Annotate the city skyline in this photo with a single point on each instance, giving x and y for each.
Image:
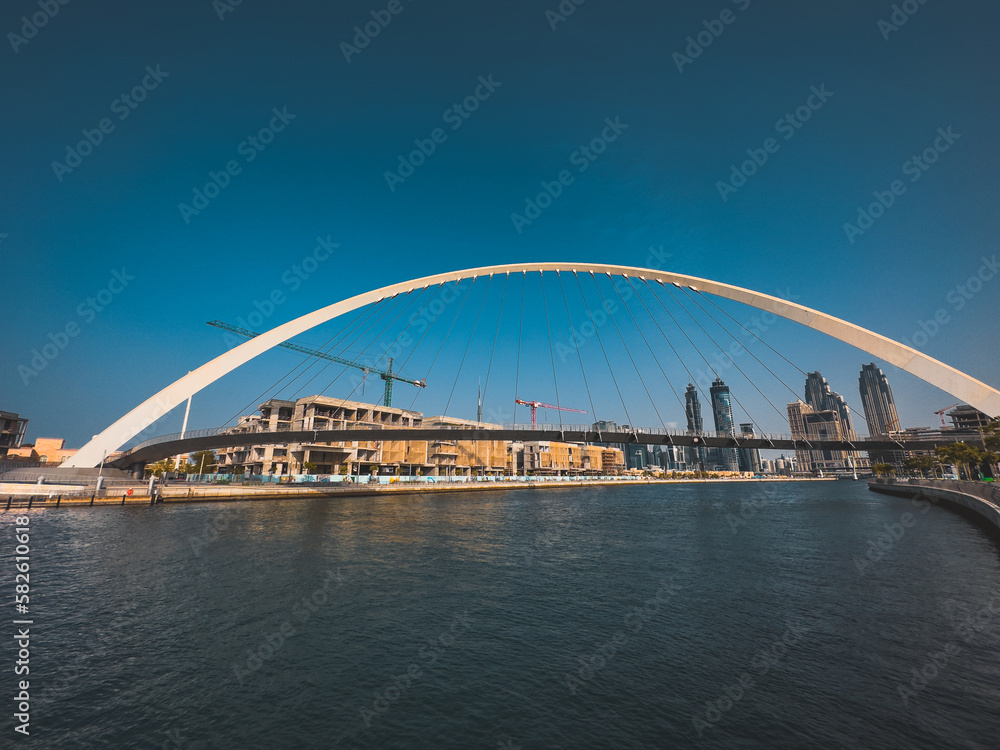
(146, 196)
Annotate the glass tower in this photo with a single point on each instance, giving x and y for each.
(696, 456)
(722, 410)
(877, 401)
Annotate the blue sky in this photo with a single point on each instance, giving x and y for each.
(208, 84)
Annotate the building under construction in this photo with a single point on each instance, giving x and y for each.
(437, 457)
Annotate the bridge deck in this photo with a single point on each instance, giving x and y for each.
(154, 451)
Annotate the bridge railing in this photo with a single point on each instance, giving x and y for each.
(518, 426)
(655, 432)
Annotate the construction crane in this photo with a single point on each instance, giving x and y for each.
(534, 405)
(940, 412)
(387, 375)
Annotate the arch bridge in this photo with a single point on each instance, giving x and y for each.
(962, 386)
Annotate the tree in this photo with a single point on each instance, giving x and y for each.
(991, 436)
(985, 460)
(882, 470)
(961, 455)
(161, 467)
(201, 462)
(310, 467)
(922, 464)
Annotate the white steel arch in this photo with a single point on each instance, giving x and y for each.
(958, 384)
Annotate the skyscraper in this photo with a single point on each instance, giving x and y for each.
(880, 411)
(877, 401)
(749, 457)
(695, 425)
(808, 425)
(821, 398)
(722, 410)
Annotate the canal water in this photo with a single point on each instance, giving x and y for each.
(793, 615)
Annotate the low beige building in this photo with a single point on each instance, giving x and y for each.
(46, 450)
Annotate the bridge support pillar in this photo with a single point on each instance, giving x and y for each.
(137, 470)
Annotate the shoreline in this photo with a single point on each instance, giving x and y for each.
(52, 498)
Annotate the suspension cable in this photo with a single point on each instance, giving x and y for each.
(860, 413)
(472, 335)
(576, 345)
(496, 333)
(429, 325)
(402, 309)
(552, 355)
(731, 359)
(520, 331)
(446, 337)
(648, 345)
(310, 360)
(603, 351)
(691, 378)
(629, 353)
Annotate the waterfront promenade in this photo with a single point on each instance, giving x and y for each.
(51, 495)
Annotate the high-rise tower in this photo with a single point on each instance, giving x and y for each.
(880, 411)
(722, 410)
(821, 398)
(877, 401)
(695, 425)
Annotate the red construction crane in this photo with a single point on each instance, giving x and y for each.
(941, 412)
(534, 405)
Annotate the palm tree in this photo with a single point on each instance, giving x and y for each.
(961, 455)
(161, 467)
(991, 436)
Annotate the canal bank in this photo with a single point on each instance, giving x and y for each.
(979, 501)
(59, 496)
